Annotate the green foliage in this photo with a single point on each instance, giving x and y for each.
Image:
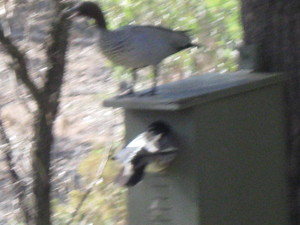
(212, 23)
(105, 204)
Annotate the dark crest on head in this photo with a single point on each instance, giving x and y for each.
(159, 127)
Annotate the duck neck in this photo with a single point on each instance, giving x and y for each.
(100, 21)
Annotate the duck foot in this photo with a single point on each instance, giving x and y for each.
(127, 93)
(150, 93)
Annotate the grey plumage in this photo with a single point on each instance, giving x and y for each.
(140, 46)
(135, 46)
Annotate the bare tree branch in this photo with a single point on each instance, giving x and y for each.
(56, 51)
(47, 98)
(47, 112)
(19, 186)
(20, 65)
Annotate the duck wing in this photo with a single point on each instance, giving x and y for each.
(176, 40)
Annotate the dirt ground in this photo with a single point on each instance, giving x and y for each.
(83, 123)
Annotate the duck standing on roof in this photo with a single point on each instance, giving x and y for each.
(133, 46)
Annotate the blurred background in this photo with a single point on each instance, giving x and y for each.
(84, 129)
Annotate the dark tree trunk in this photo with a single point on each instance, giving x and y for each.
(45, 117)
(41, 168)
(274, 26)
(47, 99)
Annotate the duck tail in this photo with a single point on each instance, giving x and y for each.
(129, 180)
(189, 45)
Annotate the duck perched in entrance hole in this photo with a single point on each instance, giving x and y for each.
(153, 150)
(135, 47)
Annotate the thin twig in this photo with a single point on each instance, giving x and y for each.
(17, 83)
(92, 185)
(20, 65)
(19, 186)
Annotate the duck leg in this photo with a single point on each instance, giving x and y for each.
(133, 81)
(154, 83)
(129, 91)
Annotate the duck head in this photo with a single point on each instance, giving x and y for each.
(90, 10)
(159, 127)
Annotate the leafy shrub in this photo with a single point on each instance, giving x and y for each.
(104, 205)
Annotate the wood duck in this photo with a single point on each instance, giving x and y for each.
(156, 146)
(135, 46)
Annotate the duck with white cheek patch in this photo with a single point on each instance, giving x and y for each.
(156, 146)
